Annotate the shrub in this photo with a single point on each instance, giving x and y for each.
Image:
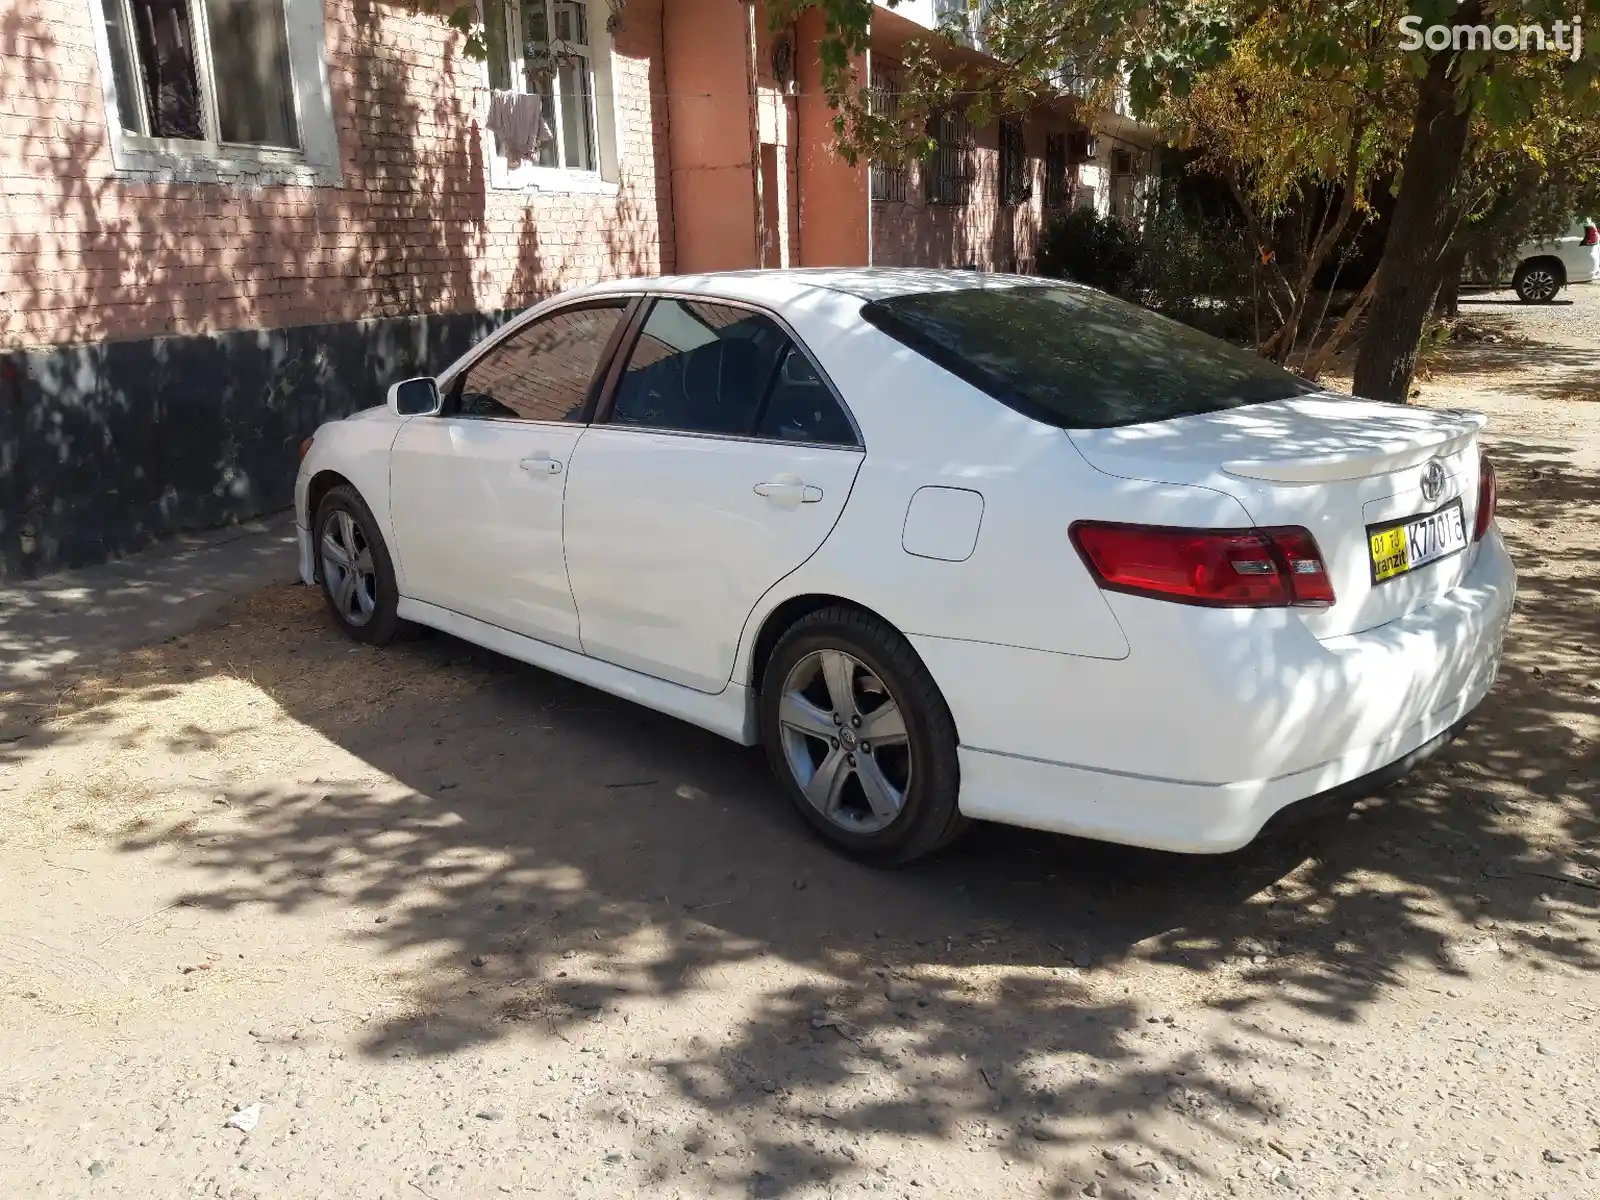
(1182, 265)
(1195, 270)
(1081, 245)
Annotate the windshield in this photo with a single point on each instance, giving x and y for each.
(1079, 359)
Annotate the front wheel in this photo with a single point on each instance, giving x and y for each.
(357, 573)
(861, 739)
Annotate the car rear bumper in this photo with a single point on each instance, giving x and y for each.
(1197, 748)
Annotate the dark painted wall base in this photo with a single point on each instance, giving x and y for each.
(104, 448)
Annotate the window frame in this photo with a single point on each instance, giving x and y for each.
(604, 176)
(606, 398)
(315, 163)
(946, 172)
(1057, 193)
(1015, 180)
(886, 181)
(453, 380)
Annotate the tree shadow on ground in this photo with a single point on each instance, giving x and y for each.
(549, 857)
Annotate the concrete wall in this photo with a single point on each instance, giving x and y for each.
(834, 207)
(712, 150)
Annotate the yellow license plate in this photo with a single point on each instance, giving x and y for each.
(1397, 549)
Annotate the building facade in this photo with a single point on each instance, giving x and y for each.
(225, 221)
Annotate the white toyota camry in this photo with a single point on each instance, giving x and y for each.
(949, 545)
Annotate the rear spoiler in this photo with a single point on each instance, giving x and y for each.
(1449, 438)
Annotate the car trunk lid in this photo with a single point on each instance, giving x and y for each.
(1334, 465)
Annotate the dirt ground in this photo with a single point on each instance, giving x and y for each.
(444, 926)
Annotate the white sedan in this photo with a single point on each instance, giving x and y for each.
(950, 545)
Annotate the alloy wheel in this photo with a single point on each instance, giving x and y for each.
(845, 741)
(348, 568)
(1539, 285)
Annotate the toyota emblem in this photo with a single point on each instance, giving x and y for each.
(1433, 481)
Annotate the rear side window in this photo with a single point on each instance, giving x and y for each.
(714, 368)
(1079, 359)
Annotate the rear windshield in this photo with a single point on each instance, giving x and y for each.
(1080, 359)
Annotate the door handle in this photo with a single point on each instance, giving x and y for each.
(788, 491)
(540, 464)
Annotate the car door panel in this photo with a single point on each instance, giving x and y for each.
(671, 541)
(478, 515)
(476, 493)
(720, 463)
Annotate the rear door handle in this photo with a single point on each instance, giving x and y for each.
(788, 491)
(540, 464)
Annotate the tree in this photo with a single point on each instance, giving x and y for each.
(1298, 152)
(1462, 91)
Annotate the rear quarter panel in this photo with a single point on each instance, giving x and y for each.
(1023, 585)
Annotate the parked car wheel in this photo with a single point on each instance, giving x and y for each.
(356, 571)
(1538, 280)
(860, 737)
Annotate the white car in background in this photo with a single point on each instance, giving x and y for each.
(950, 545)
(1544, 268)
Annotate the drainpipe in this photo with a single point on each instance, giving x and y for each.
(758, 188)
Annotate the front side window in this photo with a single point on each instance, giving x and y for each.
(713, 368)
(544, 371)
(542, 49)
(1077, 358)
(213, 71)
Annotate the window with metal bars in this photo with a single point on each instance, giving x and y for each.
(1055, 171)
(945, 171)
(887, 180)
(1015, 186)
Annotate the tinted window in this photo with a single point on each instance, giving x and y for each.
(800, 408)
(541, 372)
(700, 367)
(1079, 359)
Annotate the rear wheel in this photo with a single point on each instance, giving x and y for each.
(860, 737)
(1538, 280)
(357, 573)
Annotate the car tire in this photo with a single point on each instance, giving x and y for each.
(835, 677)
(1538, 280)
(364, 601)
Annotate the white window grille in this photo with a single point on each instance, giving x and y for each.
(544, 47)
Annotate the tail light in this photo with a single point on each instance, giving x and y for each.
(305, 447)
(1591, 235)
(1218, 568)
(1488, 497)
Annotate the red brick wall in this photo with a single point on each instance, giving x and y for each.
(982, 231)
(86, 254)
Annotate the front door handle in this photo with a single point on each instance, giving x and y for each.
(540, 464)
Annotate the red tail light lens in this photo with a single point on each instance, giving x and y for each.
(1591, 235)
(1219, 568)
(1488, 497)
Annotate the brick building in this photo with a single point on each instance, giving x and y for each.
(225, 221)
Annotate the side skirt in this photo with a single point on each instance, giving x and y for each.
(730, 713)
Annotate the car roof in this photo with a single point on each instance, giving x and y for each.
(786, 286)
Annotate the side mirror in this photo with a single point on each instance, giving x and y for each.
(417, 397)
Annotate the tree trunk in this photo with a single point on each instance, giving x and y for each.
(1447, 305)
(1411, 267)
(1312, 367)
